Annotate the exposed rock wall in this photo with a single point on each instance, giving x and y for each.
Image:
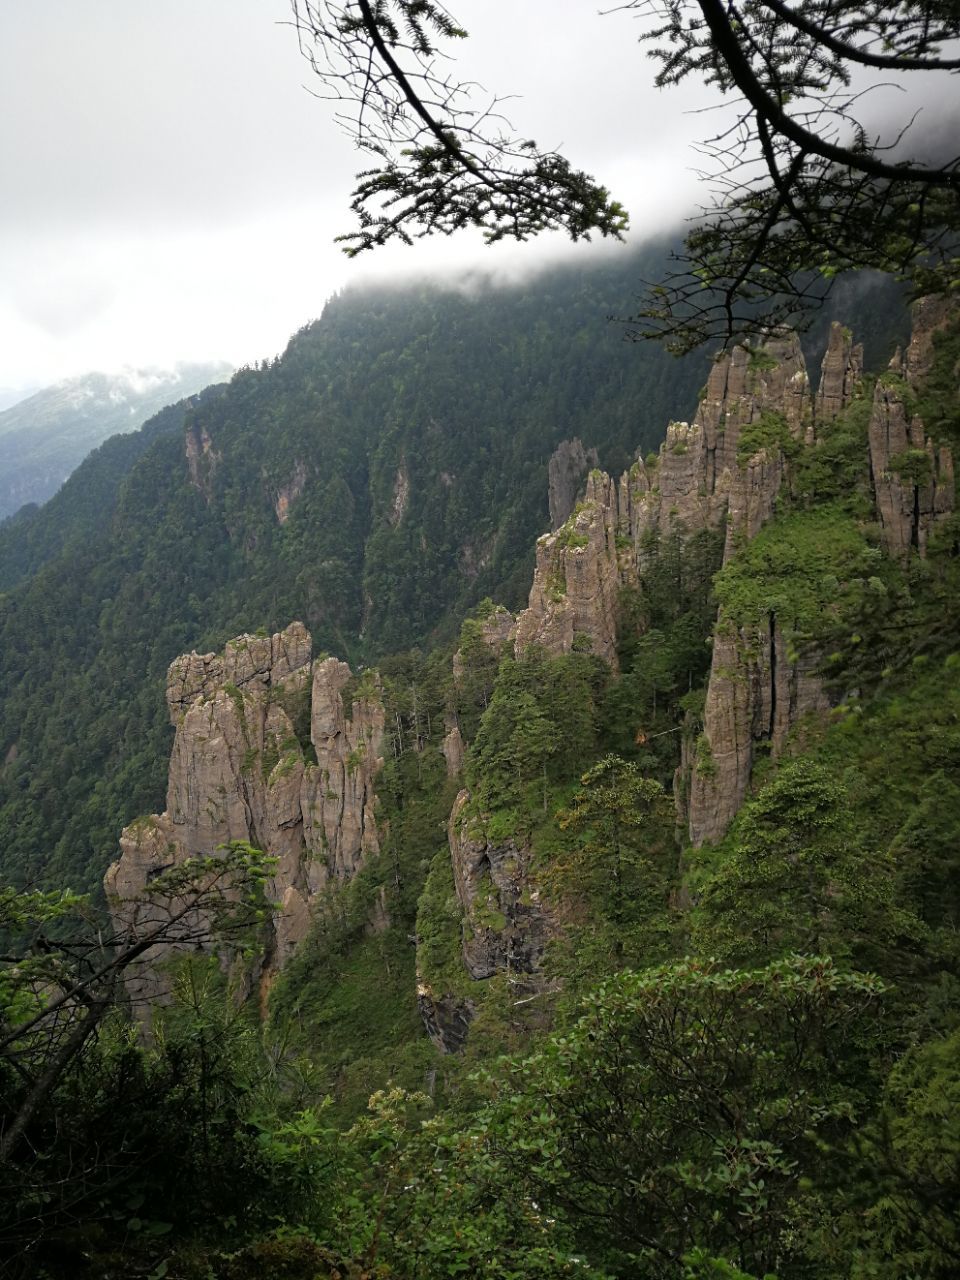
(454, 750)
(728, 467)
(752, 492)
(238, 771)
(505, 926)
(929, 316)
(759, 691)
(574, 600)
(497, 629)
(288, 493)
(841, 374)
(913, 475)
(202, 458)
(566, 472)
(757, 694)
(913, 479)
(446, 1018)
(694, 483)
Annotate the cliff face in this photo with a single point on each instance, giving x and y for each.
(272, 749)
(757, 694)
(574, 601)
(701, 477)
(913, 479)
(759, 689)
(840, 374)
(729, 467)
(504, 924)
(566, 471)
(913, 476)
(239, 771)
(503, 928)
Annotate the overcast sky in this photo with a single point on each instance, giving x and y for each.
(171, 190)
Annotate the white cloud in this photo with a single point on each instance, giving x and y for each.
(172, 192)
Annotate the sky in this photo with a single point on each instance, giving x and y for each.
(172, 188)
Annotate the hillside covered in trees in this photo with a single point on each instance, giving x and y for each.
(386, 473)
(599, 937)
(479, 798)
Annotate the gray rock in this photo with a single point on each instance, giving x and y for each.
(505, 926)
(758, 693)
(841, 374)
(238, 772)
(566, 472)
(913, 480)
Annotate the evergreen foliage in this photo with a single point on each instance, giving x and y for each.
(737, 1063)
(460, 398)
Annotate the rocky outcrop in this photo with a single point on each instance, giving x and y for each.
(496, 630)
(702, 470)
(929, 316)
(744, 385)
(706, 471)
(727, 468)
(669, 492)
(913, 473)
(337, 798)
(752, 493)
(758, 692)
(566, 472)
(401, 494)
(288, 493)
(454, 751)
(202, 458)
(243, 769)
(505, 926)
(841, 374)
(913, 479)
(446, 1018)
(574, 600)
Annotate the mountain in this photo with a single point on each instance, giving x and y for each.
(380, 478)
(609, 929)
(43, 438)
(389, 470)
(762, 504)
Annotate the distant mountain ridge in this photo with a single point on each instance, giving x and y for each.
(46, 436)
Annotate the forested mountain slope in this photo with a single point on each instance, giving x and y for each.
(389, 470)
(84, 505)
(763, 503)
(614, 937)
(43, 438)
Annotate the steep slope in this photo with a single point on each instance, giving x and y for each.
(45, 437)
(83, 507)
(266, 752)
(388, 471)
(385, 474)
(735, 588)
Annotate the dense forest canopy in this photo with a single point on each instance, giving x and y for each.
(610, 937)
(731, 1058)
(458, 399)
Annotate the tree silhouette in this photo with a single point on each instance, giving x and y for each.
(801, 188)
